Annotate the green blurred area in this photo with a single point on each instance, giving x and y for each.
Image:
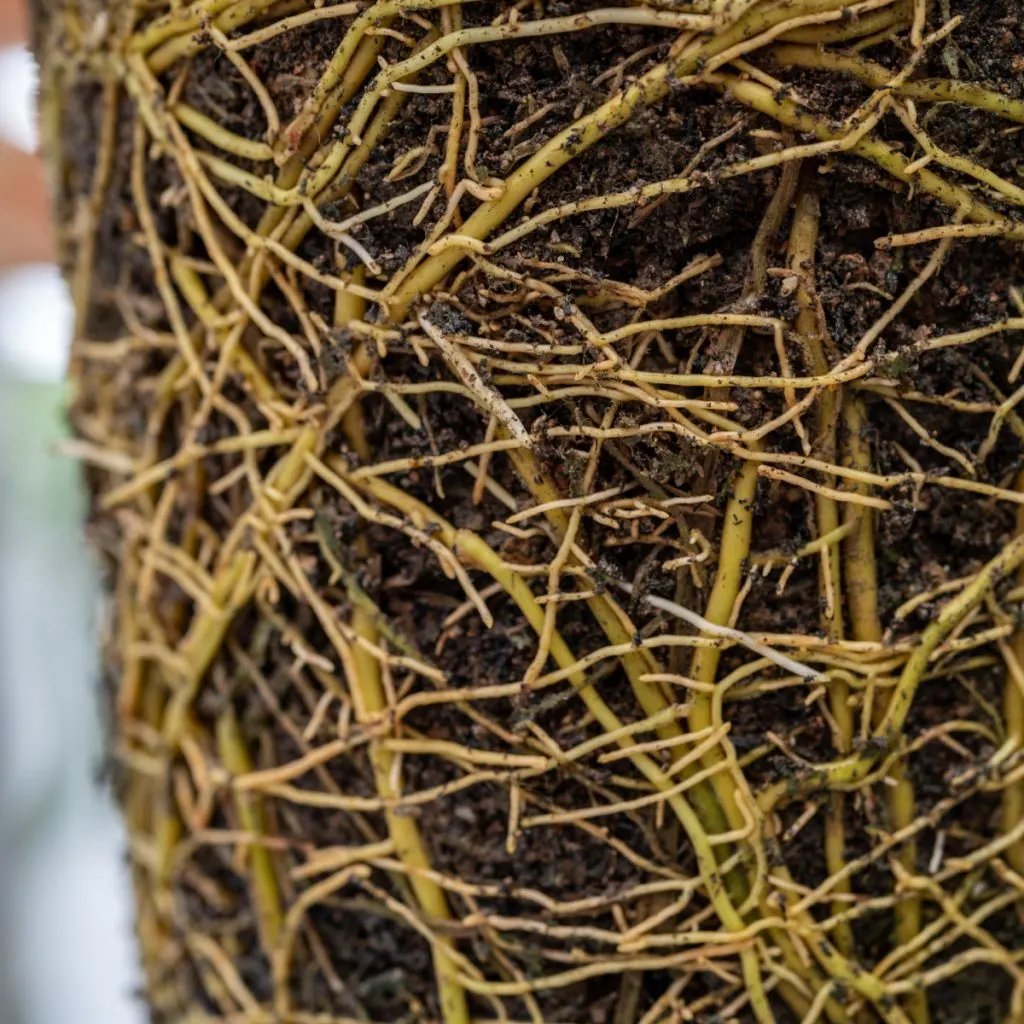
(36, 483)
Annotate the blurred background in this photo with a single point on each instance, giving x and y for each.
(66, 947)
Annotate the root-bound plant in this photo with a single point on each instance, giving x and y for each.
(558, 468)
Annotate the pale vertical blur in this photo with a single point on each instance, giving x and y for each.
(66, 951)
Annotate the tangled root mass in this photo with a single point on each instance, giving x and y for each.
(558, 469)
